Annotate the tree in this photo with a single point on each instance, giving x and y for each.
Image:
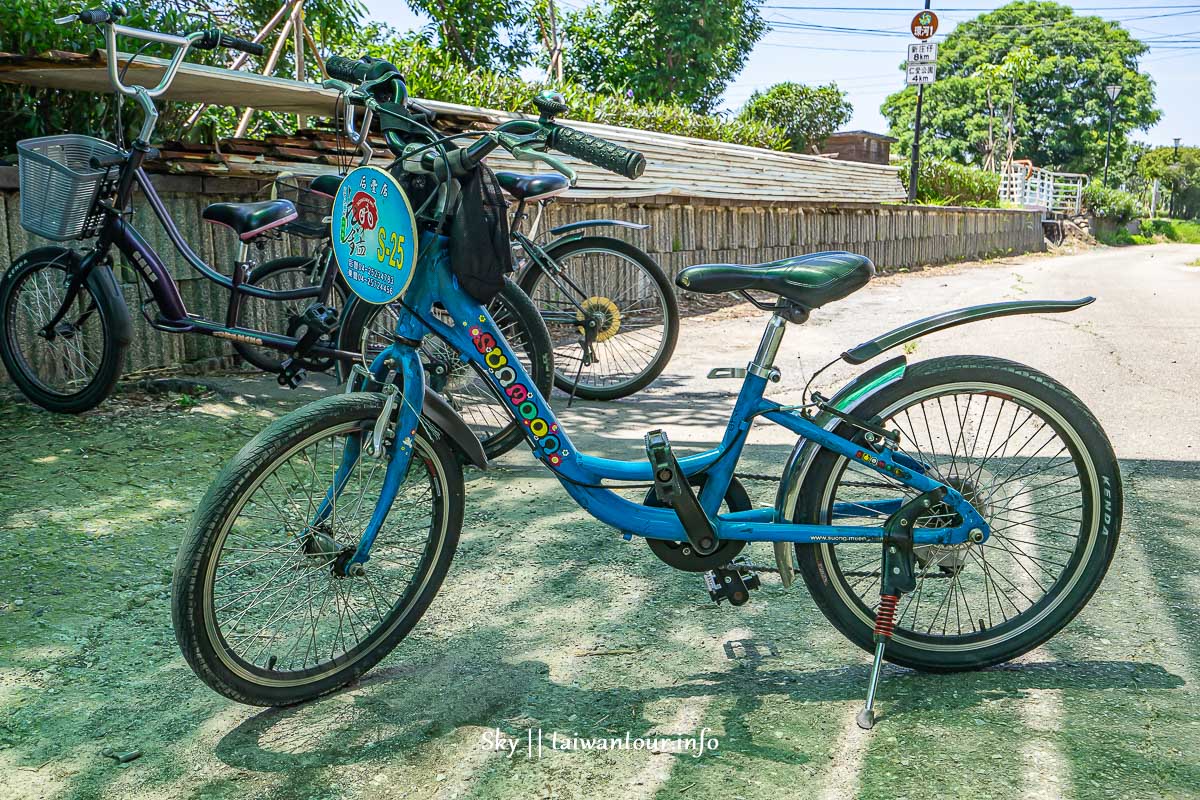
(495, 34)
(661, 50)
(1053, 67)
(807, 113)
(1177, 171)
(28, 27)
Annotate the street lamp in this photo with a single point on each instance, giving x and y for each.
(1112, 90)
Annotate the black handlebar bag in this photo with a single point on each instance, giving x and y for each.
(480, 251)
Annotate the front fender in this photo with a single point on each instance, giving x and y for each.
(100, 280)
(439, 412)
(795, 471)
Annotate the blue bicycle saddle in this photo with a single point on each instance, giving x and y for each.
(809, 281)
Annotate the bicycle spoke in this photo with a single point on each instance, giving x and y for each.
(1008, 460)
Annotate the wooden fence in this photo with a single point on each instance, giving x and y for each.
(684, 230)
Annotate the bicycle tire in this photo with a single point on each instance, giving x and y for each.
(1083, 567)
(262, 678)
(18, 329)
(565, 357)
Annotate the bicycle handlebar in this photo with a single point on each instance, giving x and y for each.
(594, 150)
(215, 37)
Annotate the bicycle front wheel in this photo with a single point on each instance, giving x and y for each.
(631, 302)
(259, 608)
(76, 367)
(1027, 454)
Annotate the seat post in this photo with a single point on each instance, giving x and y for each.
(764, 359)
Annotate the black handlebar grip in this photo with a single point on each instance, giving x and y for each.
(601, 152)
(246, 46)
(95, 16)
(215, 37)
(345, 69)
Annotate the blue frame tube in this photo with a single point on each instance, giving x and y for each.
(472, 332)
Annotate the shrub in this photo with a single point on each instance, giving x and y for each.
(1173, 230)
(1111, 205)
(434, 75)
(942, 182)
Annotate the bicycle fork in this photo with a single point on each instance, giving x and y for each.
(383, 440)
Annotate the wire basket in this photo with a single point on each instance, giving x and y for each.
(312, 208)
(59, 186)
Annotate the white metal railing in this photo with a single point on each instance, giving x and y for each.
(1033, 187)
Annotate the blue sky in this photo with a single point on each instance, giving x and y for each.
(865, 65)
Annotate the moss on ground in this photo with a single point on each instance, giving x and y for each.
(548, 620)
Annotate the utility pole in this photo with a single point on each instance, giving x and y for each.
(1112, 90)
(915, 159)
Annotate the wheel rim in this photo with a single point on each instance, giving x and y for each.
(274, 609)
(464, 389)
(70, 362)
(631, 312)
(1036, 487)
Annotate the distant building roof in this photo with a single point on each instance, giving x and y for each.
(881, 136)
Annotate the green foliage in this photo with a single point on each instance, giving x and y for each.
(28, 27)
(495, 34)
(1112, 205)
(1179, 171)
(435, 75)
(663, 51)
(944, 183)
(1173, 230)
(807, 113)
(1045, 68)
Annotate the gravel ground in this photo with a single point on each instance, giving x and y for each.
(549, 621)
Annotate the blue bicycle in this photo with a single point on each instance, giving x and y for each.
(945, 515)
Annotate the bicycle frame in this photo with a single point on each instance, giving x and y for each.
(475, 336)
(117, 232)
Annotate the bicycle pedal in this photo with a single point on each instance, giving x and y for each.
(674, 490)
(726, 372)
(292, 374)
(733, 585)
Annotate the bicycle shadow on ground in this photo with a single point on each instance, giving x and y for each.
(395, 711)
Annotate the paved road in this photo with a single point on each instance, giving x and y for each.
(548, 621)
(1131, 356)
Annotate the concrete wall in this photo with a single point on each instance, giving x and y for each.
(682, 232)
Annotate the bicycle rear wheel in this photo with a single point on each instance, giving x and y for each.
(632, 302)
(1036, 465)
(290, 272)
(259, 611)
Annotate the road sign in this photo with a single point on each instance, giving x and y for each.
(922, 53)
(924, 24)
(920, 74)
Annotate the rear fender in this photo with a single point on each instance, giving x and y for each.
(572, 227)
(960, 316)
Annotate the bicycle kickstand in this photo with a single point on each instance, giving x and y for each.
(897, 577)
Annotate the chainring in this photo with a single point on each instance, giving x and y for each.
(680, 555)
